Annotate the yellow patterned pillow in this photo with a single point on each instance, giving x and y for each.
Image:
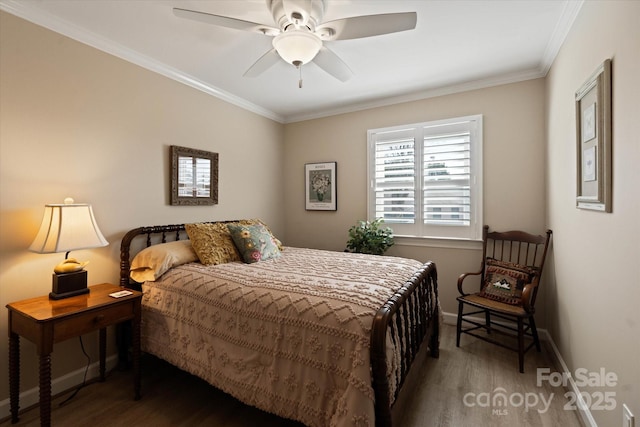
(213, 243)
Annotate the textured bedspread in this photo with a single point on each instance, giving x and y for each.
(289, 336)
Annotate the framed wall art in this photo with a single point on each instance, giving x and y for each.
(320, 184)
(593, 141)
(194, 177)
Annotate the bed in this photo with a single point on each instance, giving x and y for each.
(324, 338)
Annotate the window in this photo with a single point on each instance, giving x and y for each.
(425, 179)
(188, 168)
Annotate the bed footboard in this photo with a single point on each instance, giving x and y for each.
(416, 303)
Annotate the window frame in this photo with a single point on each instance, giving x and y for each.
(419, 230)
(202, 175)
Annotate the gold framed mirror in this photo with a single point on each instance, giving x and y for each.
(194, 176)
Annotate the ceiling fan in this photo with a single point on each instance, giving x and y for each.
(300, 33)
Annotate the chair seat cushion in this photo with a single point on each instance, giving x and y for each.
(504, 281)
(481, 302)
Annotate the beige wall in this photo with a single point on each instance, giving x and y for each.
(594, 292)
(514, 163)
(77, 122)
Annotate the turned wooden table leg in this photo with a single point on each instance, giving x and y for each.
(136, 356)
(45, 321)
(103, 352)
(14, 375)
(45, 390)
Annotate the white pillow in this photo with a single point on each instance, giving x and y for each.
(152, 262)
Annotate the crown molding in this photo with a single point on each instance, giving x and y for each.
(35, 15)
(24, 10)
(420, 95)
(560, 32)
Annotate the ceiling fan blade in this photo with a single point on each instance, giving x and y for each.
(366, 26)
(224, 21)
(332, 64)
(265, 62)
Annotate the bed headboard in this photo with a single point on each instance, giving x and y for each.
(155, 234)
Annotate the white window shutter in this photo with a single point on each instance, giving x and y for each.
(426, 179)
(447, 177)
(395, 178)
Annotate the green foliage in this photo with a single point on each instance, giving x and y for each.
(368, 237)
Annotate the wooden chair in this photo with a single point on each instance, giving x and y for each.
(512, 264)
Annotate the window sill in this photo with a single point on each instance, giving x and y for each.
(437, 242)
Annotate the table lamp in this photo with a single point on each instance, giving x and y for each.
(65, 228)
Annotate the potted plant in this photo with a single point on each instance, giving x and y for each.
(368, 237)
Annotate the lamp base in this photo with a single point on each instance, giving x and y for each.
(53, 295)
(67, 285)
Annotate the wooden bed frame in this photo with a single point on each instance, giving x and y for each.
(411, 304)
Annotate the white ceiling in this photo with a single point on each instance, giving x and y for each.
(456, 45)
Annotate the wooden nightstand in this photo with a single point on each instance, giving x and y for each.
(45, 321)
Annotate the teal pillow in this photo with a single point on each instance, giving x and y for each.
(254, 242)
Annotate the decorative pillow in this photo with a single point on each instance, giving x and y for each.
(254, 242)
(504, 281)
(152, 262)
(213, 243)
(277, 242)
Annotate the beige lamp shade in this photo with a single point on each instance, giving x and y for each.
(67, 227)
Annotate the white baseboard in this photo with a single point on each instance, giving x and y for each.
(69, 381)
(582, 407)
(449, 318)
(543, 334)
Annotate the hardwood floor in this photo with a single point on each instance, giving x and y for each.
(455, 390)
(459, 388)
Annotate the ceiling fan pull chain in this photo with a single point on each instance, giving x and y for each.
(300, 81)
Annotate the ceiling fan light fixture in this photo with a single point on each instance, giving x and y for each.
(297, 47)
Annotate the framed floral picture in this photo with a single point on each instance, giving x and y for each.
(320, 184)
